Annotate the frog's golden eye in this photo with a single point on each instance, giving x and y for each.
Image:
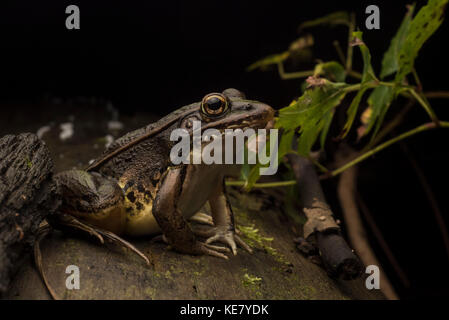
(214, 104)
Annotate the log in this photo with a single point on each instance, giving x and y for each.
(27, 196)
(274, 271)
(321, 228)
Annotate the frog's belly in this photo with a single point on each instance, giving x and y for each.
(138, 206)
(142, 222)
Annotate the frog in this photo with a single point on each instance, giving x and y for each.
(134, 190)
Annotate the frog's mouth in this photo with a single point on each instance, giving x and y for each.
(253, 115)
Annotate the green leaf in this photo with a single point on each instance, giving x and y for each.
(367, 76)
(269, 60)
(390, 61)
(335, 18)
(423, 25)
(309, 113)
(368, 72)
(285, 145)
(331, 70)
(327, 121)
(253, 176)
(379, 102)
(352, 111)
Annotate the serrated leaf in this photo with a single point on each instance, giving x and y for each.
(309, 111)
(331, 70)
(423, 25)
(390, 61)
(352, 111)
(269, 60)
(335, 18)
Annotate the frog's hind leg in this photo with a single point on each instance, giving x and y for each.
(94, 204)
(41, 234)
(67, 221)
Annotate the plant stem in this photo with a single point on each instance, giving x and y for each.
(425, 105)
(354, 74)
(384, 145)
(292, 75)
(319, 165)
(339, 51)
(350, 48)
(263, 185)
(437, 94)
(390, 126)
(418, 82)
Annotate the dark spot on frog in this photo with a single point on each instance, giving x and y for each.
(129, 209)
(140, 188)
(131, 197)
(139, 206)
(128, 185)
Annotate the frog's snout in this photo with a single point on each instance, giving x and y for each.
(267, 113)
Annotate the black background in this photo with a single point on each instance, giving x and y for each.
(157, 56)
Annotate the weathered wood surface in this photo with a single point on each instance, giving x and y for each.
(27, 196)
(274, 271)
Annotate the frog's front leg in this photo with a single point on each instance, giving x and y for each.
(224, 230)
(172, 222)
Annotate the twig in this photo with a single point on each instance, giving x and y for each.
(422, 101)
(350, 48)
(321, 227)
(340, 54)
(436, 94)
(381, 240)
(418, 82)
(292, 75)
(430, 196)
(346, 194)
(263, 185)
(421, 128)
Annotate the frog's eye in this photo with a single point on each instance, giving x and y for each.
(214, 104)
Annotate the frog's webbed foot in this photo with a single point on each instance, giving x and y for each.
(211, 250)
(65, 220)
(201, 247)
(223, 235)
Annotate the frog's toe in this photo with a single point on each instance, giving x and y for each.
(225, 238)
(242, 243)
(215, 251)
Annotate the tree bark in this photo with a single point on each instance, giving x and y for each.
(27, 196)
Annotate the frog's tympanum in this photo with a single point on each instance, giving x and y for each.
(133, 189)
